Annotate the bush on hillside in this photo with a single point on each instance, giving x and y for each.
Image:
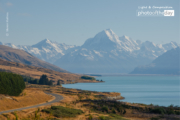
(11, 84)
(44, 80)
(59, 82)
(88, 78)
(30, 80)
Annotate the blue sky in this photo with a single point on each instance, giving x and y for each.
(74, 21)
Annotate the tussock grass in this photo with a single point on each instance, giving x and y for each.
(60, 111)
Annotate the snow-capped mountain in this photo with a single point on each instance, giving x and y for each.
(108, 40)
(45, 50)
(108, 53)
(104, 53)
(150, 50)
(170, 45)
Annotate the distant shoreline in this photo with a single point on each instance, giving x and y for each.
(136, 75)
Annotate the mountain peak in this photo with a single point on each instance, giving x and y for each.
(109, 32)
(109, 29)
(174, 43)
(46, 40)
(111, 35)
(103, 40)
(125, 37)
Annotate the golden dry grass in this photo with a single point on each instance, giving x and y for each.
(27, 98)
(66, 102)
(70, 96)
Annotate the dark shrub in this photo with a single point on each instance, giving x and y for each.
(113, 111)
(44, 80)
(177, 112)
(50, 82)
(119, 109)
(87, 77)
(105, 109)
(170, 111)
(124, 111)
(59, 82)
(158, 110)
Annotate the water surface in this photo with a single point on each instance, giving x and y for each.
(158, 90)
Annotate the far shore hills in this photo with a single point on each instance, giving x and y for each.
(118, 74)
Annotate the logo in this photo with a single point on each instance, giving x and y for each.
(168, 12)
(156, 11)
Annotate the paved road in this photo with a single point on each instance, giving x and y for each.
(57, 99)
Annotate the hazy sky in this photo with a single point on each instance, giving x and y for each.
(74, 21)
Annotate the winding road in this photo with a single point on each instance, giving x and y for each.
(57, 99)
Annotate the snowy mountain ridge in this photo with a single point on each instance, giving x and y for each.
(45, 50)
(104, 51)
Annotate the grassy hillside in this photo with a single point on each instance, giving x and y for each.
(20, 56)
(36, 72)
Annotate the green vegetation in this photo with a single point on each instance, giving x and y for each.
(165, 110)
(59, 82)
(15, 114)
(120, 108)
(110, 107)
(158, 110)
(87, 77)
(59, 111)
(42, 81)
(30, 80)
(11, 84)
(105, 109)
(90, 117)
(102, 117)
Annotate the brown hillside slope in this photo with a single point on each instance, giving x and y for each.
(20, 56)
(36, 72)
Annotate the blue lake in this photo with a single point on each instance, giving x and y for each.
(158, 90)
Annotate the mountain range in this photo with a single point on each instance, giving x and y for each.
(167, 63)
(104, 53)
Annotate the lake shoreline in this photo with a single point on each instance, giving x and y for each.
(137, 90)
